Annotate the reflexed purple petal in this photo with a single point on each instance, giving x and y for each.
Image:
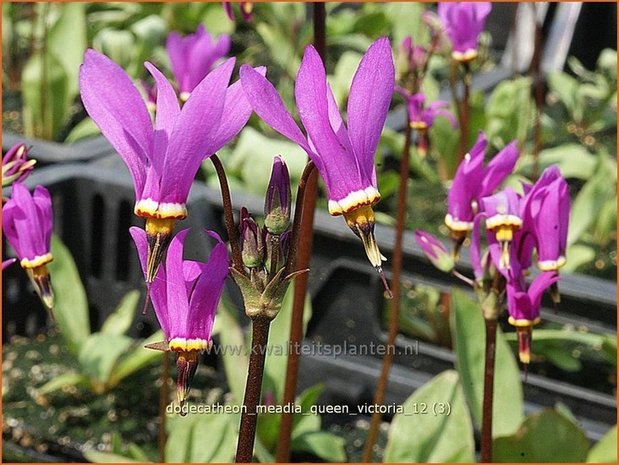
(237, 111)
(178, 54)
(368, 102)
(108, 93)
(8, 226)
(207, 292)
(194, 135)
(43, 202)
(267, 103)
(335, 120)
(29, 232)
(177, 294)
(539, 285)
(341, 168)
(550, 221)
(167, 112)
(519, 303)
(7, 263)
(499, 168)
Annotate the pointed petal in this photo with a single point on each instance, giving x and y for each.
(116, 106)
(237, 111)
(193, 136)
(267, 104)
(207, 293)
(539, 285)
(368, 103)
(177, 295)
(499, 168)
(43, 202)
(341, 171)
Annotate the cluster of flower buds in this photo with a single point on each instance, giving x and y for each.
(517, 225)
(265, 249)
(27, 222)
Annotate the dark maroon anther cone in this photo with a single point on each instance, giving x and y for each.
(186, 365)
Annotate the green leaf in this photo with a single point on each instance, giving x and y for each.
(547, 436)
(565, 87)
(280, 48)
(468, 334)
(509, 112)
(406, 20)
(66, 379)
(120, 321)
(100, 353)
(233, 353)
(85, 129)
(605, 451)
(66, 41)
(578, 255)
(96, 456)
(573, 160)
(179, 443)
(117, 45)
(421, 433)
(136, 453)
(254, 165)
(221, 438)
(45, 93)
(70, 304)
(135, 359)
(327, 446)
(596, 191)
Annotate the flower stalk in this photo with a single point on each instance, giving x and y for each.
(253, 388)
(394, 309)
(486, 421)
(299, 257)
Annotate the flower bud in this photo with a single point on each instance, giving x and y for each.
(15, 165)
(435, 251)
(252, 242)
(277, 202)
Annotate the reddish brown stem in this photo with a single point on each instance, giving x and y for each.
(394, 311)
(253, 388)
(486, 421)
(164, 394)
(303, 253)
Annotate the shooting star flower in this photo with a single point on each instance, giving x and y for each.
(463, 22)
(185, 296)
(344, 156)
(163, 160)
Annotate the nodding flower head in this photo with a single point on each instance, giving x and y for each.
(163, 160)
(185, 296)
(547, 208)
(524, 305)
(15, 165)
(252, 241)
(463, 22)
(27, 224)
(344, 156)
(503, 217)
(435, 251)
(194, 56)
(473, 181)
(421, 117)
(247, 9)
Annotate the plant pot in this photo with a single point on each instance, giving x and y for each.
(48, 152)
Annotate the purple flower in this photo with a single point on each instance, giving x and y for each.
(344, 156)
(15, 165)
(277, 201)
(473, 181)
(246, 10)
(503, 217)
(435, 251)
(421, 117)
(194, 56)
(163, 160)
(27, 224)
(547, 209)
(411, 59)
(185, 296)
(524, 305)
(463, 22)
